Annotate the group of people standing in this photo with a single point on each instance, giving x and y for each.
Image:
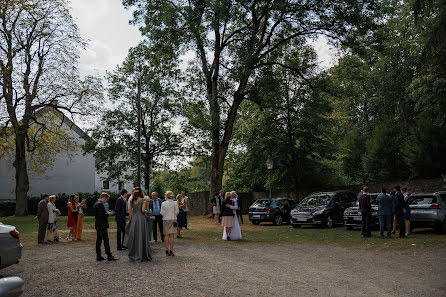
(48, 215)
(226, 210)
(394, 207)
(146, 216)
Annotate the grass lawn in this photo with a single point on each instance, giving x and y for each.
(204, 229)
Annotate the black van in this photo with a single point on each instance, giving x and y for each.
(323, 208)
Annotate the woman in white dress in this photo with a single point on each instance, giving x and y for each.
(236, 233)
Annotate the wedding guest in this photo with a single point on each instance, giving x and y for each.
(169, 211)
(72, 216)
(51, 218)
(221, 200)
(365, 207)
(235, 233)
(81, 206)
(149, 218)
(155, 207)
(239, 204)
(392, 196)
(181, 217)
(137, 234)
(120, 210)
(397, 209)
(406, 211)
(101, 226)
(216, 208)
(227, 215)
(42, 217)
(185, 207)
(384, 213)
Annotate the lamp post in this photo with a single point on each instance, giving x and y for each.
(138, 106)
(269, 166)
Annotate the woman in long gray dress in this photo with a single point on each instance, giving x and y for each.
(137, 233)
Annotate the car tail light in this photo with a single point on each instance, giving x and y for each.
(15, 234)
(436, 206)
(251, 209)
(268, 209)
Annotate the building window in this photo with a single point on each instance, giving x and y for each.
(105, 184)
(120, 185)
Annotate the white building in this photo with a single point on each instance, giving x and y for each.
(71, 172)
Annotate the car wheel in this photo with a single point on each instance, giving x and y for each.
(256, 222)
(349, 227)
(329, 222)
(278, 220)
(296, 226)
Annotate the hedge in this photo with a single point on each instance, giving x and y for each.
(7, 207)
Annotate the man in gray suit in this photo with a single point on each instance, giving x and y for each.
(42, 217)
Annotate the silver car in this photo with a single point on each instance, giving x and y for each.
(10, 246)
(428, 210)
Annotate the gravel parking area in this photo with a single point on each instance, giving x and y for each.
(233, 269)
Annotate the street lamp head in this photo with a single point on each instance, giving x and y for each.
(269, 164)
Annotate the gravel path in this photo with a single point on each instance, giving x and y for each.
(234, 269)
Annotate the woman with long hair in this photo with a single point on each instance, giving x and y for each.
(169, 211)
(80, 217)
(227, 215)
(72, 216)
(137, 235)
(181, 217)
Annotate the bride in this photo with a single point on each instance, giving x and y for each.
(236, 233)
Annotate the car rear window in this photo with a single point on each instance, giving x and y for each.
(422, 199)
(262, 202)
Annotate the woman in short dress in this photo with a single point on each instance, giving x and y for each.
(227, 215)
(71, 220)
(169, 211)
(216, 208)
(181, 217)
(406, 211)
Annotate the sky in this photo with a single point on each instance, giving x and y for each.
(105, 25)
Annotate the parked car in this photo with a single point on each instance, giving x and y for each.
(353, 217)
(10, 246)
(325, 209)
(11, 286)
(276, 210)
(428, 210)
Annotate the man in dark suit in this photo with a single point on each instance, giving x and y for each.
(239, 203)
(42, 217)
(155, 207)
(221, 200)
(101, 226)
(397, 207)
(120, 209)
(365, 207)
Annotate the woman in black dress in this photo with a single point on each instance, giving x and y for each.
(181, 217)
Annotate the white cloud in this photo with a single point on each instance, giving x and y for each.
(105, 24)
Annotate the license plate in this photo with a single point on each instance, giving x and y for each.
(256, 216)
(357, 219)
(302, 219)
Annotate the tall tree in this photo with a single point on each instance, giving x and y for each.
(114, 139)
(234, 40)
(39, 51)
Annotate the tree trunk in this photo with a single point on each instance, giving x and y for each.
(21, 175)
(147, 175)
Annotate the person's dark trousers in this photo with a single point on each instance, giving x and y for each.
(120, 225)
(240, 215)
(185, 219)
(365, 224)
(385, 220)
(401, 225)
(158, 223)
(102, 235)
(42, 231)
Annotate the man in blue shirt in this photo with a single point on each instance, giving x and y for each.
(398, 206)
(155, 207)
(384, 213)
